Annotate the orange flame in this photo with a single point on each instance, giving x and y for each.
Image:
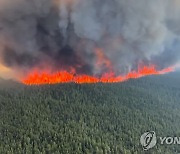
(38, 77)
(102, 59)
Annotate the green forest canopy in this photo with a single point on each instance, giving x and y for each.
(89, 118)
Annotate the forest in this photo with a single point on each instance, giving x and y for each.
(89, 118)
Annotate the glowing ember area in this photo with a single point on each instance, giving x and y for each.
(102, 59)
(37, 78)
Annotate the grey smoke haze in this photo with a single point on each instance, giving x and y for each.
(65, 33)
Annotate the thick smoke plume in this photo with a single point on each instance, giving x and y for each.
(66, 34)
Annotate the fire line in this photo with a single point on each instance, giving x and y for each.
(39, 78)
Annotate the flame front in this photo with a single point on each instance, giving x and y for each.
(43, 77)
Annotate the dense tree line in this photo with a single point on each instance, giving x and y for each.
(89, 118)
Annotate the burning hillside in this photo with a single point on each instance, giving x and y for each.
(43, 77)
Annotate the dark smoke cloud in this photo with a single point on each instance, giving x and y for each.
(65, 33)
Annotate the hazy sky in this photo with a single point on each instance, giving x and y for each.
(5, 72)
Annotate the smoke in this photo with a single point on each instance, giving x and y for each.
(65, 34)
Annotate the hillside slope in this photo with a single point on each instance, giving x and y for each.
(94, 118)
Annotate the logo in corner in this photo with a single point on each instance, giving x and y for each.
(148, 140)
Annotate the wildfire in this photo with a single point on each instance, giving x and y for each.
(44, 77)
